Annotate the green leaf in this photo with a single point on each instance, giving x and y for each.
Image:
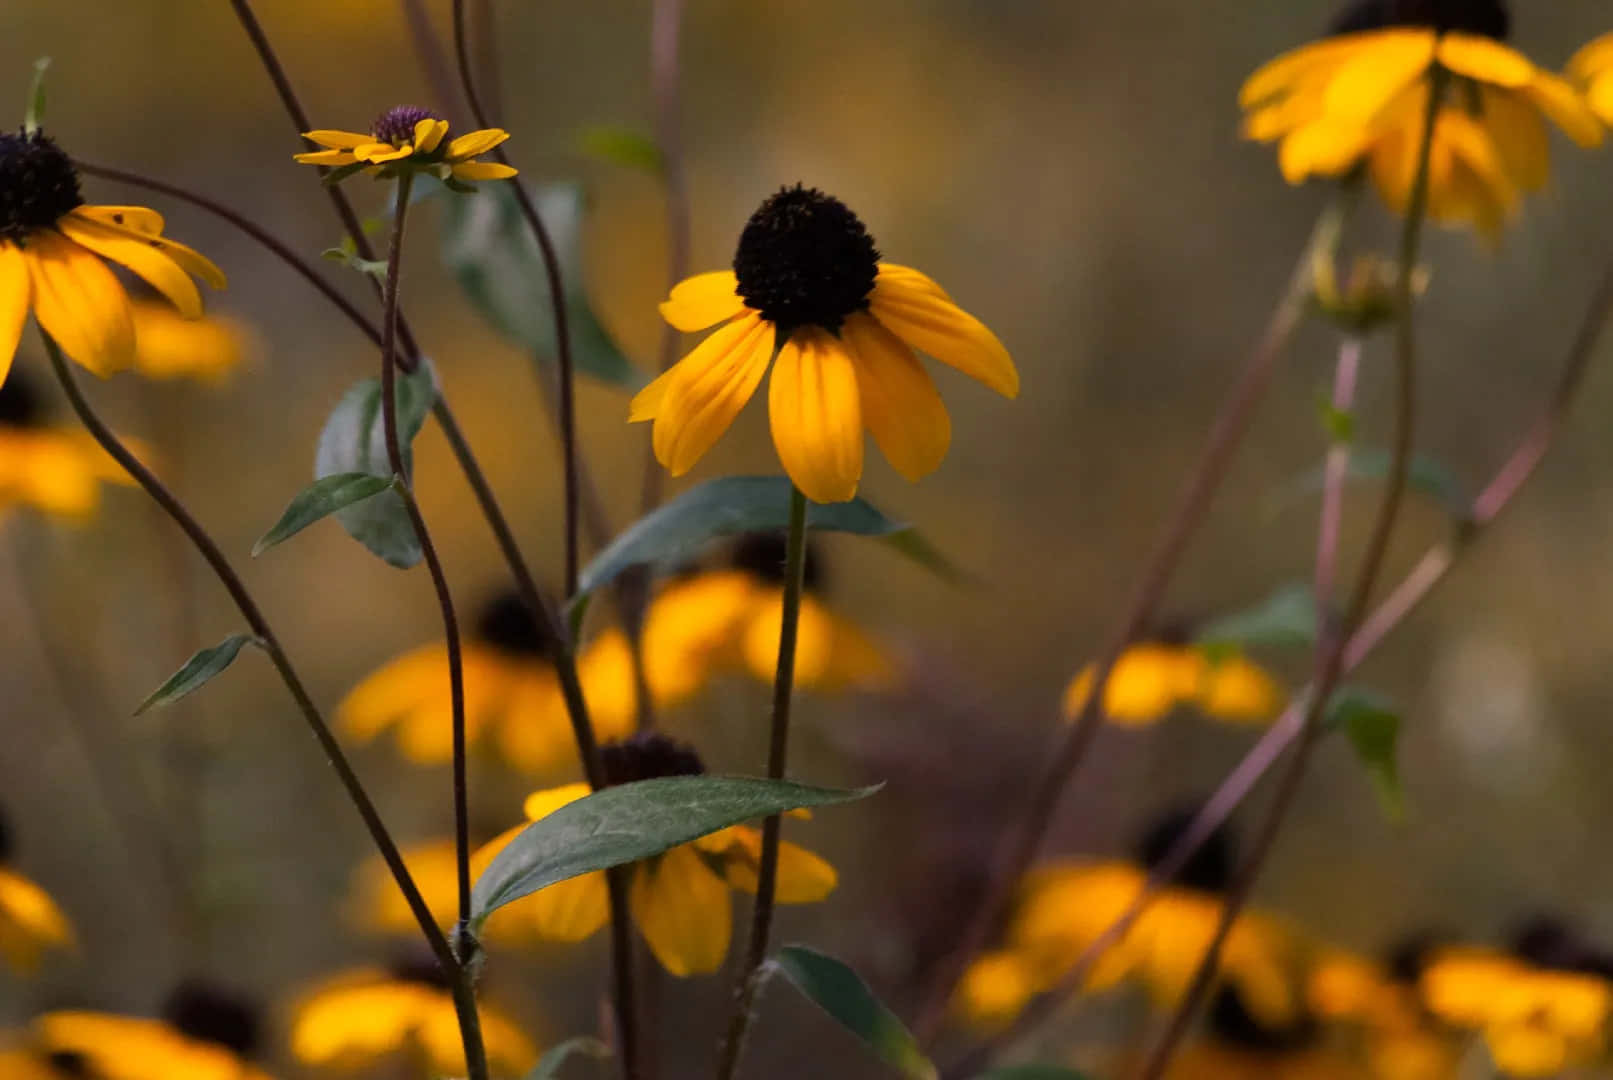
(491, 251)
(616, 145)
(33, 116)
(354, 441)
(1372, 724)
(375, 268)
(1033, 1072)
(634, 821)
(841, 992)
(739, 504)
(319, 500)
(197, 672)
(1424, 475)
(549, 1064)
(1285, 619)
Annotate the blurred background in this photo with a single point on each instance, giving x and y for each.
(1072, 173)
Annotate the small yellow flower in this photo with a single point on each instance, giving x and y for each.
(56, 470)
(361, 1018)
(1398, 1038)
(680, 900)
(51, 249)
(1361, 96)
(408, 137)
(204, 1034)
(1592, 70)
(809, 298)
(1152, 679)
(30, 921)
(169, 346)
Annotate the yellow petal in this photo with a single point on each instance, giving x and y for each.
(1238, 690)
(814, 645)
(534, 734)
(1485, 60)
(540, 804)
(16, 291)
(376, 904)
(509, 1051)
(605, 668)
(1373, 78)
(646, 404)
(1600, 98)
(482, 170)
(55, 472)
(428, 134)
(391, 691)
(192, 262)
(934, 325)
(80, 303)
(711, 385)
(914, 279)
(1592, 59)
(355, 1019)
(147, 262)
(703, 301)
(1520, 137)
(995, 989)
(325, 157)
(1566, 108)
(476, 143)
(338, 140)
(378, 153)
(1322, 148)
(30, 922)
(803, 877)
(140, 219)
(816, 415)
(570, 910)
(170, 347)
(684, 912)
(691, 630)
(900, 404)
(1278, 76)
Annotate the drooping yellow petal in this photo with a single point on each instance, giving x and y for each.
(900, 404)
(1520, 137)
(356, 1019)
(30, 922)
(570, 910)
(814, 644)
(1238, 690)
(1322, 148)
(147, 262)
(691, 631)
(935, 326)
(684, 912)
(534, 734)
(1280, 75)
(129, 222)
(646, 404)
(80, 303)
(914, 279)
(1600, 98)
(995, 989)
(482, 170)
(1485, 60)
(605, 669)
(1566, 108)
(16, 292)
(803, 877)
(475, 143)
(710, 386)
(428, 134)
(51, 470)
(509, 1051)
(376, 904)
(1593, 59)
(379, 153)
(1366, 84)
(816, 415)
(168, 346)
(140, 219)
(540, 804)
(332, 158)
(338, 140)
(703, 301)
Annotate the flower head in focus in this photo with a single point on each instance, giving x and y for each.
(359, 1019)
(1591, 69)
(1359, 97)
(1153, 678)
(30, 921)
(809, 297)
(680, 900)
(205, 1033)
(408, 138)
(52, 247)
(56, 470)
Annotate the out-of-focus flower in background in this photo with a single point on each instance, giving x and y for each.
(30, 921)
(169, 346)
(409, 138)
(204, 1034)
(1378, 1007)
(807, 284)
(1592, 69)
(55, 470)
(1154, 678)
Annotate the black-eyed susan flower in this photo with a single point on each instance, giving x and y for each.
(1065, 906)
(56, 470)
(1592, 70)
(1542, 1007)
(170, 346)
(1151, 679)
(24, 1062)
(512, 694)
(1237, 1045)
(52, 247)
(407, 138)
(809, 296)
(30, 921)
(715, 621)
(680, 900)
(1379, 1006)
(204, 1034)
(361, 1018)
(1360, 96)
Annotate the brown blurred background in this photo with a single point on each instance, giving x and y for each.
(1072, 173)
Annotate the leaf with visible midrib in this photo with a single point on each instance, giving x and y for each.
(319, 500)
(841, 992)
(635, 821)
(198, 671)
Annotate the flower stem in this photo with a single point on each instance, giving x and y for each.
(1199, 491)
(750, 977)
(270, 644)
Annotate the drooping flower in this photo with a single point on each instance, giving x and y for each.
(1592, 70)
(409, 138)
(51, 249)
(680, 900)
(204, 1034)
(1360, 97)
(55, 470)
(30, 921)
(1153, 678)
(361, 1018)
(809, 297)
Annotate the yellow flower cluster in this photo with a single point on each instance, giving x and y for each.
(1151, 679)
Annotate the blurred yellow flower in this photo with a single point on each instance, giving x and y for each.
(28, 1063)
(809, 297)
(1361, 96)
(170, 346)
(30, 921)
(1592, 69)
(205, 1034)
(51, 251)
(679, 900)
(412, 138)
(360, 1018)
(1152, 679)
(1398, 1038)
(56, 470)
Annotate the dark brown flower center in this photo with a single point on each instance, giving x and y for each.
(1210, 868)
(209, 1013)
(19, 403)
(397, 124)
(648, 756)
(1488, 18)
(805, 259)
(420, 967)
(38, 184)
(762, 555)
(509, 626)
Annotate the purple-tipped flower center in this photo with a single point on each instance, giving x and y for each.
(397, 124)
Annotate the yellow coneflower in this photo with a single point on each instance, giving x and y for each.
(205, 1034)
(408, 137)
(51, 249)
(680, 900)
(1361, 96)
(512, 694)
(1067, 905)
(30, 921)
(1592, 69)
(808, 286)
(169, 346)
(1153, 678)
(1398, 1038)
(56, 470)
(361, 1018)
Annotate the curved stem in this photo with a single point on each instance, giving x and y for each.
(270, 644)
(778, 751)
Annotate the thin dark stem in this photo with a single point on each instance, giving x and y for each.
(439, 74)
(1233, 420)
(778, 751)
(557, 300)
(270, 644)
